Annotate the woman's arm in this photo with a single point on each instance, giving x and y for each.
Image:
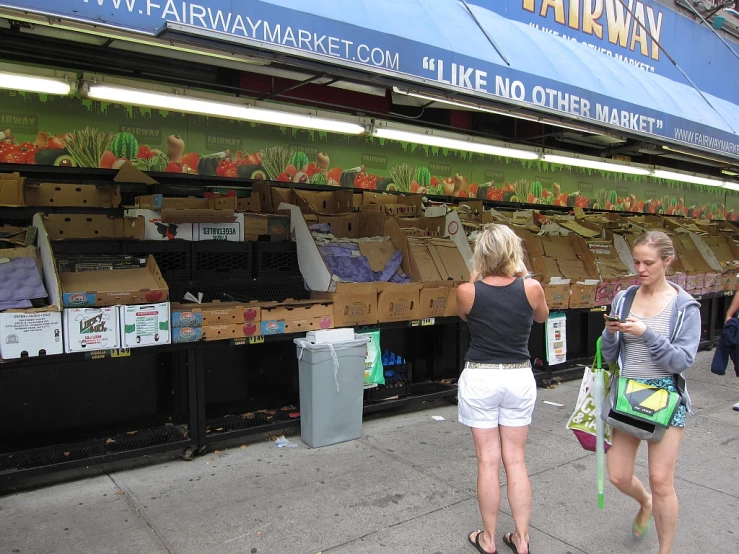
(535, 295)
(465, 299)
(733, 308)
(609, 339)
(678, 355)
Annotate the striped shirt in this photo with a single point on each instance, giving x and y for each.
(637, 363)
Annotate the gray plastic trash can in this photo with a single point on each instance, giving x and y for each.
(331, 391)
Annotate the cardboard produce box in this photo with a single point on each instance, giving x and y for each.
(435, 259)
(394, 204)
(398, 302)
(72, 195)
(11, 189)
(94, 226)
(325, 203)
(186, 334)
(230, 331)
(215, 313)
(34, 331)
(110, 288)
(429, 226)
(274, 228)
(231, 232)
(251, 203)
(156, 229)
(433, 299)
(144, 325)
(354, 304)
(296, 316)
(190, 210)
(87, 329)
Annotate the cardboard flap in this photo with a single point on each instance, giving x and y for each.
(326, 203)
(378, 254)
(130, 174)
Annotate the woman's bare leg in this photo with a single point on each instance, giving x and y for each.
(513, 445)
(621, 457)
(662, 460)
(487, 448)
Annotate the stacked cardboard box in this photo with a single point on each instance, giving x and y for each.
(124, 308)
(34, 331)
(193, 219)
(215, 321)
(11, 189)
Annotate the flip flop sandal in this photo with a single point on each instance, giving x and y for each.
(476, 543)
(508, 540)
(640, 531)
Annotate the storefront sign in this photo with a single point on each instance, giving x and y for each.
(574, 84)
(632, 31)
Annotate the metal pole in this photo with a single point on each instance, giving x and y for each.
(495, 45)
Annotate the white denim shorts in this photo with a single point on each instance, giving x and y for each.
(489, 396)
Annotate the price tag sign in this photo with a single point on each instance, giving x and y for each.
(423, 322)
(598, 309)
(259, 339)
(105, 354)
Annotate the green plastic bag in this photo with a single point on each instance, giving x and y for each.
(374, 372)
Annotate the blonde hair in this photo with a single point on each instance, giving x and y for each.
(659, 241)
(498, 251)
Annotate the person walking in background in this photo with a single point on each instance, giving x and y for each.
(654, 342)
(728, 346)
(497, 389)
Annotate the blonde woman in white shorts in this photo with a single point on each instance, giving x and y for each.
(497, 390)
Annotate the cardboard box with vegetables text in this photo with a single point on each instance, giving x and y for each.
(273, 228)
(111, 288)
(190, 210)
(144, 325)
(35, 331)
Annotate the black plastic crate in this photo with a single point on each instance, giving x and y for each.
(98, 246)
(174, 257)
(276, 259)
(240, 290)
(217, 258)
(397, 383)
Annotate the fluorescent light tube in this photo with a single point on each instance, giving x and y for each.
(595, 164)
(454, 144)
(30, 83)
(731, 186)
(190, 104)
(685, 178)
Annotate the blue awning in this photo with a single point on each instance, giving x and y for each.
(437, 43)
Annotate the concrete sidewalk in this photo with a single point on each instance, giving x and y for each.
(408, 486)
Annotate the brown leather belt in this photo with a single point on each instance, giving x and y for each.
(520, 365)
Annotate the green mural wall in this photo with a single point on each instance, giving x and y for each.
(35, 129)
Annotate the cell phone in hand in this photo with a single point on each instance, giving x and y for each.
(614, 318)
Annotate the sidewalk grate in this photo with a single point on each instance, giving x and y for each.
(63, 453)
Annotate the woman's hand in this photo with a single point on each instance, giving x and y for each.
(632, 326)
(612, 326)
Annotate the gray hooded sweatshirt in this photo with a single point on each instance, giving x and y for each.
(675, 353)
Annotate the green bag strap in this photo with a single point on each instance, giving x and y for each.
(598, 355)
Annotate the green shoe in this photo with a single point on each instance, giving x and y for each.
(640, 531)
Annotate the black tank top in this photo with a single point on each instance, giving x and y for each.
(500, 324)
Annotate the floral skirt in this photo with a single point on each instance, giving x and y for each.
(678, 420)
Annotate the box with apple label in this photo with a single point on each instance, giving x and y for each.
(87, 329)
(144, 325)
(186, 334)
